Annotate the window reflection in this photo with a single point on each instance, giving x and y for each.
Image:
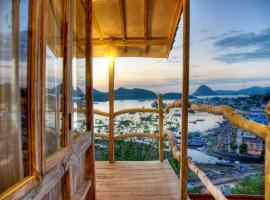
(54, 75)
(79, 68)
(14, 151)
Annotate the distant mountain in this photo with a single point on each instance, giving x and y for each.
(133, 94)
(255, 90)
(75, 93)
(176, 96)
(100, 96)
(204, 90)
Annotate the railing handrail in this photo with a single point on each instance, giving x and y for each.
(231, 114)
(226, 111)
(176, 152)
(159, 137)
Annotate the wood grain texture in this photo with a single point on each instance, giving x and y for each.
(99, 112)
(133, 110)
(130, 135)
(147, 180)
(185, 92)
(111, 110)
(161, 125)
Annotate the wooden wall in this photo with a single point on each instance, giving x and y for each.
(68, 173)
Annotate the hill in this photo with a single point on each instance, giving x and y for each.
(133, 94)
(204, 90)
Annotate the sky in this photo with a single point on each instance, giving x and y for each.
(229, 49)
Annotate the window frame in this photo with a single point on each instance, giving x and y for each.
(16, 191)
(48, 162)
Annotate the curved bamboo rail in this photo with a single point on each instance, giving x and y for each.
(176, 151)
(215, 192)
(102, 135)
(99, 112)
(130, 135)
(231, 114)
(133, 110)
(226, 111)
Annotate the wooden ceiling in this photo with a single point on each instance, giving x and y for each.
(132, 28)
(135, 28)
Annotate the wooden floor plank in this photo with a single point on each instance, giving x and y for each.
(135, 180)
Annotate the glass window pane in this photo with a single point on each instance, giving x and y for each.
(14, 151)
(54, 75)
(79, 68)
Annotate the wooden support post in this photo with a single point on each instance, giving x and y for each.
(267, 155)
(111, 110)
(161, 132)
(185, 90)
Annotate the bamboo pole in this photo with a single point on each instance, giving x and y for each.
(130, 135)
(215, 192)
(133, 110)
(99, 112)
(185, 89)
(102, 135)
(176, 151)
(111, 110)
(232, 116)
(267, 156)
(161, 133)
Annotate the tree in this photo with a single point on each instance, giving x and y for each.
(252, 185)
(243, 148)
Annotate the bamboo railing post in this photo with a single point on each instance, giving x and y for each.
(185, 89)
(161, 132)
(267, 155)
(111, 110)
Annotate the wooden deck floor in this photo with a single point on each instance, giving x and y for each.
(132, 180)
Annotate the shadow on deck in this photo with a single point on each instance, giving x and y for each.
(142, 180)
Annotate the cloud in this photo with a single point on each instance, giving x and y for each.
(238, 47)
(222, 35)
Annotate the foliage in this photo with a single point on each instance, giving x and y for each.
(173, 162)
(243, 148)
(196, 189)
(253, 185)
(233, 144)
(138, 149)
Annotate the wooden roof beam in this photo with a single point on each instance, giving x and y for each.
(123, 18)
(95, 23)
(131, 42)
(145, 23)
(178, 13)
(97, 27)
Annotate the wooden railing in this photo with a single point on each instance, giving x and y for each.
(236, 119)
(228, 112)
(159, 137)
